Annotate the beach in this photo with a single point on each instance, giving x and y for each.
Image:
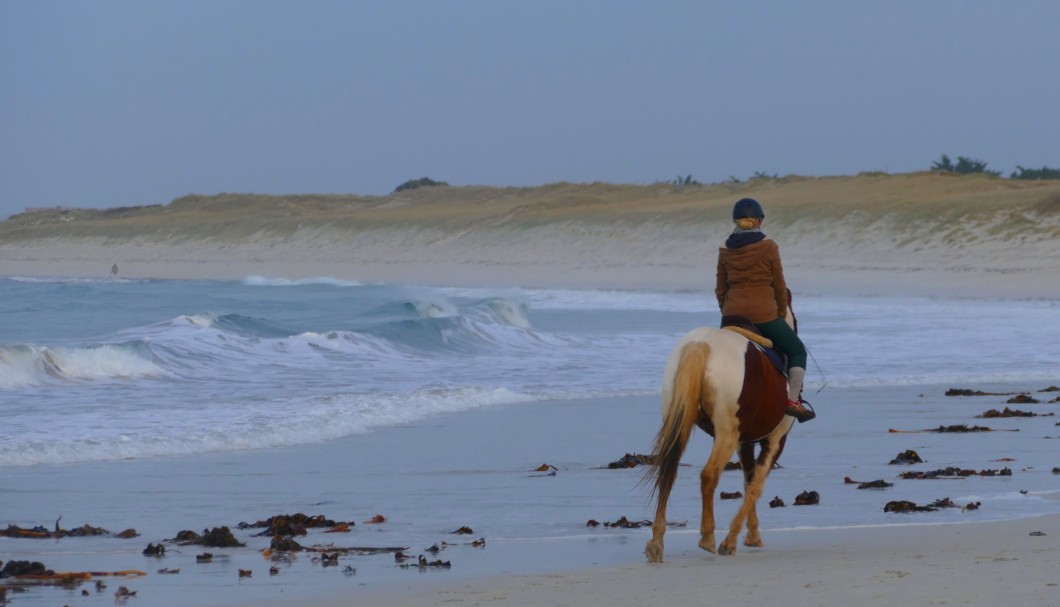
(477, 357)
(476, 469)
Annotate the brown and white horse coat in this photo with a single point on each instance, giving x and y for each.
(723, 383)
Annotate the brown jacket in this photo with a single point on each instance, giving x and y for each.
(751, 282)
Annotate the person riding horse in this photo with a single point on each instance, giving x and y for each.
(751, 284)
(724, 383)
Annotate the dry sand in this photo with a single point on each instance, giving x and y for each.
(920, 233)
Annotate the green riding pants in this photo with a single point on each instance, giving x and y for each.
(786, 340)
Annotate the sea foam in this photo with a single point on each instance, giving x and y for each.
(266, 425)
(263, 281)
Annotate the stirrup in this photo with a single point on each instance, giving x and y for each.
(801, 410)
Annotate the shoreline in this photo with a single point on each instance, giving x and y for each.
(803, 277)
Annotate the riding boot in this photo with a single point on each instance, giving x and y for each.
(798, 408)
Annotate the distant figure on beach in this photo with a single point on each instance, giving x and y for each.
(114, 270)
(751, 285)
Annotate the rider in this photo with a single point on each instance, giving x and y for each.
(751, 284)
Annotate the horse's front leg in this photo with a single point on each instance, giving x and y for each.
(747, 462)
(747, 509)
(752, 539)
(724, 447)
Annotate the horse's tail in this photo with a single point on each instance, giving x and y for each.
(680, 415)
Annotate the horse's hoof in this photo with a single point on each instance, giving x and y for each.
(708, 546)
(726, 549)
(654, 552)
(753, 542)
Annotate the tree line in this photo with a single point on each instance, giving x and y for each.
(965, 165)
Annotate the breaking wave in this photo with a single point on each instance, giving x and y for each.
(24, 365)
(193, 346)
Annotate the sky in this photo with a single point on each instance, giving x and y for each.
(120, 103)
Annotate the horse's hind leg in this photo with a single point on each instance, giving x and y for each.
(747, 509)
(724, 446)
(654, 549)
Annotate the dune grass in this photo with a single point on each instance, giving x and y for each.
(926, 215)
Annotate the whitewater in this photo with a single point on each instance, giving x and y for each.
(96, 370)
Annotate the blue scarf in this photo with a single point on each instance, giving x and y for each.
(742, 238)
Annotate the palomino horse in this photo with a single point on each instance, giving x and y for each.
(717, 379)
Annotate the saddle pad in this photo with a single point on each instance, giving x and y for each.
(758, 339)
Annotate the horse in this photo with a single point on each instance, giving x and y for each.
(718, 380)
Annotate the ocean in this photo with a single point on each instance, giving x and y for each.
(170, 405)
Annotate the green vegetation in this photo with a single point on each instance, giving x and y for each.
(964, 166)
(1042, 173)
(422, 182)
(683, 181)
(973, 165)
(943, 164)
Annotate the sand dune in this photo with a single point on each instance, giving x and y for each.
(873, 233)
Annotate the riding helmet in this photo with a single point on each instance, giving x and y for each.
(747, 207)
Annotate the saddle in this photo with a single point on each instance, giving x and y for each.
(744, 327)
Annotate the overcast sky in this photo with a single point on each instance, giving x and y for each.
(138, 102)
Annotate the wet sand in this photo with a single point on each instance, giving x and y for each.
(997, 563)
